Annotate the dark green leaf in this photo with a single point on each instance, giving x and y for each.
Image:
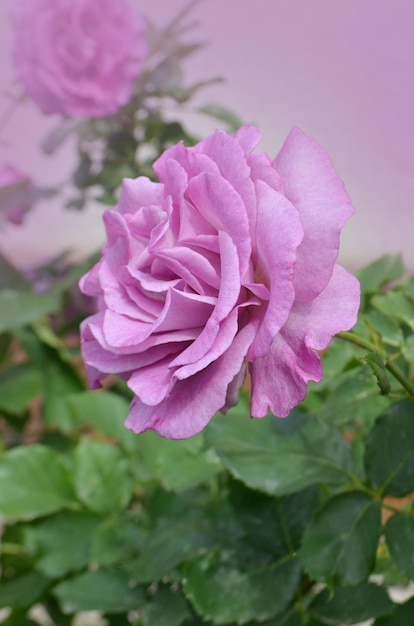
(399, 534)
(165, 549)
(273, 525)
(62, 543)
(19, 384)
(168, 608)
(402, 616)
(220, 591)
(280, 456)
(24, 591)
(102, 590)
(340, 543)
(101, 476)
(116, 540)
(389, 458)
(351, 605)
(387, 268)
(33, 482)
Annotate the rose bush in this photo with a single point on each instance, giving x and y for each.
(228, 260)
(78, 57)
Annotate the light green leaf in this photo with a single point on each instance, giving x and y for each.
(185, 464)
(19, 384)
(102, 590)
(33, 482)
(104, 412)
(384, 270)
(222, 114)
(397, 304)
(101, 476)
(340, 543)
(21, 307)
(280, 456)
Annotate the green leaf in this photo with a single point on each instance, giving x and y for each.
(340, 543)
(10, 278)
(402, 616)
(21, 307)
(105, 412)
(397, 304)
(101, 476)
(185, 464)
(280, 456)
(165, 549)
(353, 397)
(62, 543)
(221, 592)
(24, 591)
(116, 540)
(168, 608)
(399, 534)
(19, 384)
(222, 114)
(387, 268)
(102, 590)
(274, 526)
(33, 482)
(351, 605)
(389, 457)
(376, 363)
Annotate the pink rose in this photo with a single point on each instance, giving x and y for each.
(15, 192)
(78, 57)
(229, 259)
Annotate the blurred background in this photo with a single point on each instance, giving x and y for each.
(342, 71)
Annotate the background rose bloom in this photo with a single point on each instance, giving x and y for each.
(15, 193)
(78, 57)
(229, 256)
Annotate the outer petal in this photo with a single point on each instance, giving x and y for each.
(279, 380)
(278, 233)
(193, 402)
(313, 187)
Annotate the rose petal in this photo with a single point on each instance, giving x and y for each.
(192, 403)
(313, 187)
(279, 379)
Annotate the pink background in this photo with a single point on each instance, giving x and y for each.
(342, 70)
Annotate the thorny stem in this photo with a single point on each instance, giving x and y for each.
(391, 367)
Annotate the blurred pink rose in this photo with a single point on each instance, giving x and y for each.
(229, 258)
(78, 57)
(15, 192)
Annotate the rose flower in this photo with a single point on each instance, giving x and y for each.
(227, 262)
(79, 58)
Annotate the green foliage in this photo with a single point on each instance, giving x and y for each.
(272, 522)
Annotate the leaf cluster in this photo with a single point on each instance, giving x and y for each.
(305, 521)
